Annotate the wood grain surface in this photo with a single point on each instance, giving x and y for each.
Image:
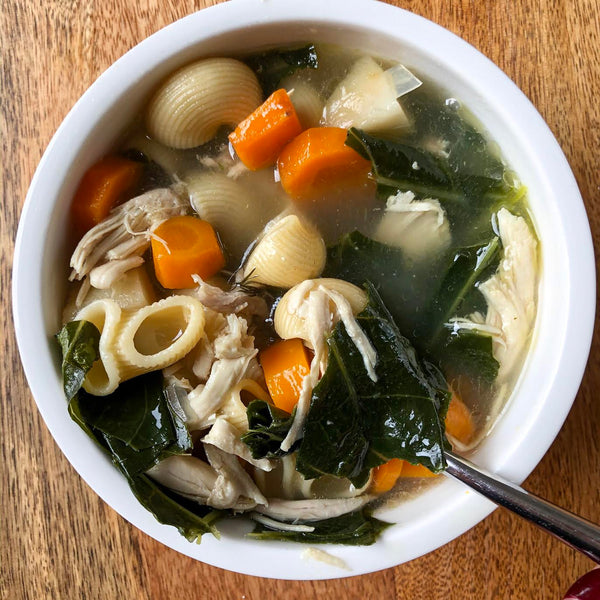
(59, 540)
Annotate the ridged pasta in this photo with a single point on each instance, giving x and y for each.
(306, 100)
(158, 335)
(189, 107)
(103, 378)
(228, 206)
(289, 319)
(289, 251)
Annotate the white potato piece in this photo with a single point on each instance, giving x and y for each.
(132, 290)
(289, 251)
(192, 103)
(366, 98)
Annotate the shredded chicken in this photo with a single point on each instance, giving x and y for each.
(314, 509)
(325, 557)
(233, 484)
(510, 296)
(273, 524)
(320, 318)
(185, 474)
(419, 227)
(510, 292)
(235, 301)
(127, 230)
(233, 352)
(225, 436)
(104, 276)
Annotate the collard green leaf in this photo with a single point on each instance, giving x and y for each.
(399, 162)
(191, 520)
(468, 267)
(354, 424)
(136, 413)
(422, 302)
(357, 258)
(79, 342)
(273, 66)
(469, 353)
(267, 428)
(134, 423)
(354, 529)
(470, 183)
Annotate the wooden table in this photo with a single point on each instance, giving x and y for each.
(60, 541)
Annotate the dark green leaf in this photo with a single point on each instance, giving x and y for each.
(396, 161)
(470, 182)
(273, 66)
(354, 424)
(468, 267)
(268, 426)
(79, 342)
(136, 413)
(191, 520)
(357, 258)
(469, 353)
(355, 529)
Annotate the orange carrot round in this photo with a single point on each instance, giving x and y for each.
(317, 162)
(185, 246)
(102, 187)
(261, 136)
(410, 470)
(386, 475)
(459, 421)
(285, 364)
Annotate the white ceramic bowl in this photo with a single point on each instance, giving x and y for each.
(555, 365)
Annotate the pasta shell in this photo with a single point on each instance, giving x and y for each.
(289, 319)
(306, 100)
(158, 335)
(228, 206)
(190, 105)
(290, 251)
(103, 378)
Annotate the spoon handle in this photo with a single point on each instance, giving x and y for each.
(578, 533)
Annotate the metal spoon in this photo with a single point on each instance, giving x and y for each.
(578, 533)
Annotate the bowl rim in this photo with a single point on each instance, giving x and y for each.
(463, 509)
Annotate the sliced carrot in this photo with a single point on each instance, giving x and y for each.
(409, 470)
(386, 475)
(184, 246)
(285, 364)
(459, 421)
(317, 162)
(102, 187)
(260, 137)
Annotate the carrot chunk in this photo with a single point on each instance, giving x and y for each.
(261, 136)
(285, 364)
(317, 163)
(459, 421)
(183, 246)
(101, 188)
(386, 475)
(410, 470)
